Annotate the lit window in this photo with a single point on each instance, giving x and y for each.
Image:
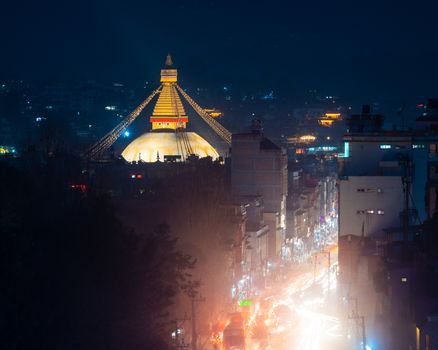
(417, 146)
(370, 211)
(385, 146)
(380, 212)
(404, 279)
(346, 149)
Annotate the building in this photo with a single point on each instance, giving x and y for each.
(168, 138)
(255, 250)
(259, 168)
(311, 210)
(386, 190)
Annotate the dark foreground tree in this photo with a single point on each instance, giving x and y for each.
(73, 277)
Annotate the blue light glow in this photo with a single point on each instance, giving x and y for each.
(346, 149)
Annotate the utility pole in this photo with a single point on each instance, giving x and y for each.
(192, 291)
(194, 331)
(328, 273)
(364, 337)
(328, 268)
(355, 316)
(407, 178)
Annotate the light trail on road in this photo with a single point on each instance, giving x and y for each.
(309, 298)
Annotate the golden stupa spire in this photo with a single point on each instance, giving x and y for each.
(169, 63)
(169, 111)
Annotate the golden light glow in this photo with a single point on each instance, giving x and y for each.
(214, 112)
(304, 139)
(328, 119)
(150, 146)
(6, 150)
(333, 115)
(325, 122)
(307, 138)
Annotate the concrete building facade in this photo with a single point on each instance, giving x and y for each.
(259, 168)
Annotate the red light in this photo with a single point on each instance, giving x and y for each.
(80, 187)
(139, 176)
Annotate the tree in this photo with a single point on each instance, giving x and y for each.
(75, 276)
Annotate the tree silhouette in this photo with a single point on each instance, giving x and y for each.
(75, 277)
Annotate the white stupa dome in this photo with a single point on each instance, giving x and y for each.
(148, 146)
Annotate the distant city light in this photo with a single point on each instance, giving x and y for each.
(269, 96)
(110, 108)
(307, 138)
(245, 303)
(346, 149)
(4, 150)
(126, 133)
(385, 146)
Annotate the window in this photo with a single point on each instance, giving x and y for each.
(417, 146)
(346, 149)
(385, 146)
(369, 190)
(404, 279)
(370, 212)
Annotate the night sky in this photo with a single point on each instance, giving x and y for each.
(361, 50)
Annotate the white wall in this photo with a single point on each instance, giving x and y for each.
(389, 200)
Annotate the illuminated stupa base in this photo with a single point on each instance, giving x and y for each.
(152, 146)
